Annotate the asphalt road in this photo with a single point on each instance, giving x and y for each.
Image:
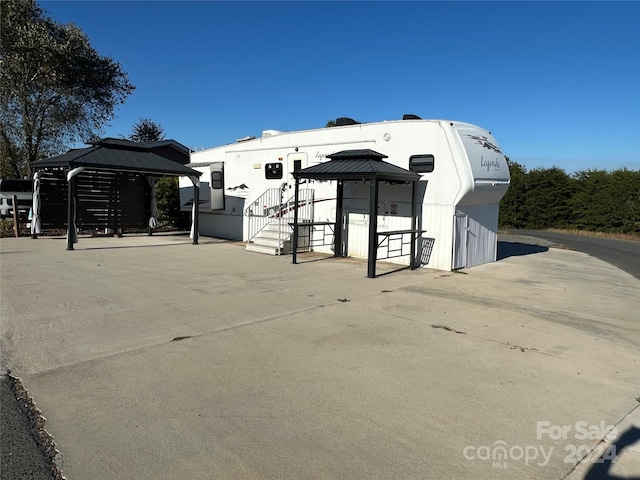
(624, 254)
(22, 457)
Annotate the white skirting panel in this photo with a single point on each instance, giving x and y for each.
(438, 221)
(216, 225)
(435, 250)
(481, 234)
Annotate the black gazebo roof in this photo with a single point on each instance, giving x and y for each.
(117, 155)
(357, 165)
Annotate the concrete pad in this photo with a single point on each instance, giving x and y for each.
(154, 358)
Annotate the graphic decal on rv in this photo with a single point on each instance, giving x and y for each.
(482, 140)
(238, 187)
(495, 164)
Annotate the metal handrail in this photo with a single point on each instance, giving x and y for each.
(270, 206)
(266, 207)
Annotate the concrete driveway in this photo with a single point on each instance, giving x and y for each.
(155, 359)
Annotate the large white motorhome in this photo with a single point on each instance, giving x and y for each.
(463, 171)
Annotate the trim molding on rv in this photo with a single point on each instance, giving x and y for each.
(299, 146)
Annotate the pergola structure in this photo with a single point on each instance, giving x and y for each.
(111, 155)
(359, 165)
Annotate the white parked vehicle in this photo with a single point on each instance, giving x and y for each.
(463, 171)
(22, 189)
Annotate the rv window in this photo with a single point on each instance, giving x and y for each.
(217, 180)
(272, 171)
(421, 163)
(297, 165)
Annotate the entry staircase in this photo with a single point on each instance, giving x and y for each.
(269, 217)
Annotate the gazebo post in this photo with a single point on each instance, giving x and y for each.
(196, 212)
(373, 228)
(71, 212)
(414, 225)
(337, 232)
(295, 221)
(35, 206)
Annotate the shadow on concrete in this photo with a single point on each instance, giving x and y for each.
(508, 249)
(117, 247)
(399, 269)
(310, 257)
(601, 466)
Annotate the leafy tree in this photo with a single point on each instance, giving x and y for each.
(330, 123)
(607, 201)
(147, 130)
(625, 188)
(592, 203)
(9, 169)
(512, 213)
(168, 201)
(595, 200)
(547, 198)
(54, 87)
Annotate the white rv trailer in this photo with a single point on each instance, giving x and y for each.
(463, 171)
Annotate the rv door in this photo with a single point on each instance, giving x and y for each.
(296, 161)
(216, 184)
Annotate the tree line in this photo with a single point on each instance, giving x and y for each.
(592, 200)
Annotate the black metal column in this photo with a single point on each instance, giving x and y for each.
(337, 232)
(295, 221)
(71, 204)
(149, 232)
(414, 225)
(373, 228)
(196, 212)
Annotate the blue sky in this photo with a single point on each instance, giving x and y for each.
(557, 83)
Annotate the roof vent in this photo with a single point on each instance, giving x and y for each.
(410, 116)
(342, 121)
(245, 139)
(270, 133)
